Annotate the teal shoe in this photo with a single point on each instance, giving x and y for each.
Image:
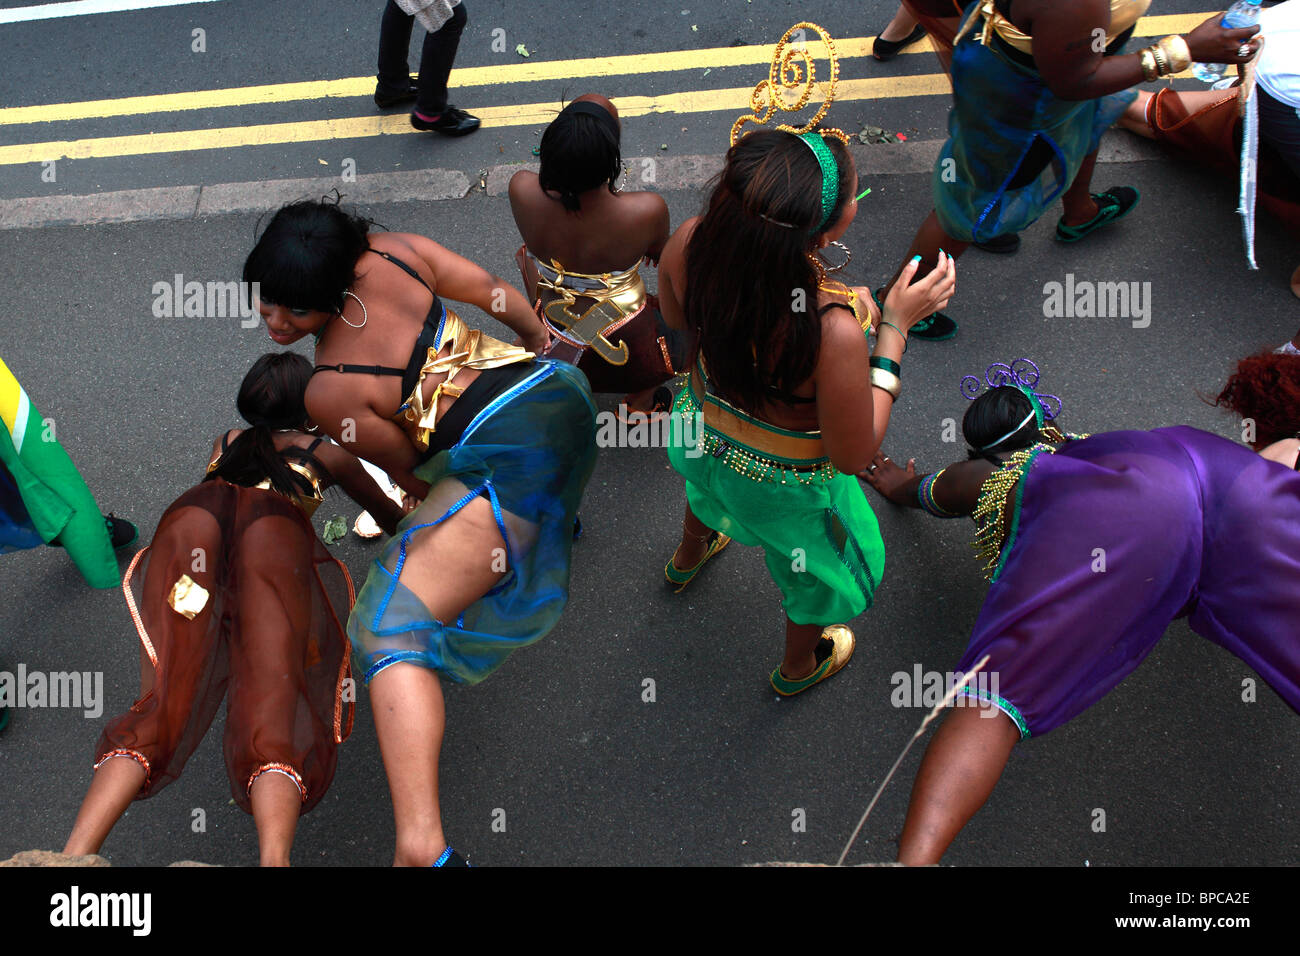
(935, 327)
(1112, 206)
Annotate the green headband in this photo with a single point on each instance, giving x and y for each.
(1040, 416)
(830, 176)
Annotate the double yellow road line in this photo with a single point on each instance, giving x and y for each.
(526, 114)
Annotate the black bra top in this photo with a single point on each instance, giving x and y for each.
(427, 338)
(304, 456)
(789, 398)
(481, 392)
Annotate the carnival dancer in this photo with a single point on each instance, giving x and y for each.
(1034, 88)
(584, 240)
(495, 445)
(43, 498)
(236, 591)
(1189, 524)
(792, 400)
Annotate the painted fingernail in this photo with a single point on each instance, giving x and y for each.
(916, 258)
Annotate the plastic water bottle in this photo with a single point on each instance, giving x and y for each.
(1243, 13)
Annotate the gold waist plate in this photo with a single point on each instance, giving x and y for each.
(623, 296)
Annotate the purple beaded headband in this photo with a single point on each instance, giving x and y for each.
(1022, 374)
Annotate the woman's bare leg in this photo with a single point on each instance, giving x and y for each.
(448, 568)
(1079, 206)
(800, 644)
(114, 786)
(276, 805)
(961, 767)
(901, 26)
(695, 542)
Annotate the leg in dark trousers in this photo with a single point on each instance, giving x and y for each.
(436, 58)
(394, 44)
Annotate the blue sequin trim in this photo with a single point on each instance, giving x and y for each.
(397, 657)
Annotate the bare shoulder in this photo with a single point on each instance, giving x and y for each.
(841, 333)
(1283, 452)
(646, 204)
(523, 186)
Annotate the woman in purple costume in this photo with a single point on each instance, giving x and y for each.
(1187, 523)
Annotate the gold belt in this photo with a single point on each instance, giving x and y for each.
(754, 448)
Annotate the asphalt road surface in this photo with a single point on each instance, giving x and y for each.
(560, 745)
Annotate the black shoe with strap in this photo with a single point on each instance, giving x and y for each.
(450, 122)
(386, 98)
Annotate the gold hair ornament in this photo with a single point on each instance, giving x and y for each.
(793, 68)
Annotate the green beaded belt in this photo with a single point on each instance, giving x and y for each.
(767, 453)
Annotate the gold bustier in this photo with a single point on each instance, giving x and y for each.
(1123, 14)
(470, 348)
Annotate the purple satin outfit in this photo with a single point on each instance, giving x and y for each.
(1184, 523)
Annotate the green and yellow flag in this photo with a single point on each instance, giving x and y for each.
(58, 506)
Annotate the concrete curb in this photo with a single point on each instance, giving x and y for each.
(662, 173)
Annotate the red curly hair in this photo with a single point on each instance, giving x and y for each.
(1266, 388)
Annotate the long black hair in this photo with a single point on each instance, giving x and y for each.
(271, 397)
(580, 151)
(994, 414)
(751, 290)
(307, 255)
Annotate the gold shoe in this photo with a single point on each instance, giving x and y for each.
(680, 578)
(844, 643)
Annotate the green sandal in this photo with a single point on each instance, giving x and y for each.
(680, 578)
(842, 645)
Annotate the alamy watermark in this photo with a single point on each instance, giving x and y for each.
(1085, 299)
(922, 688)
(179, 299)
(624, 429)
(78, 689)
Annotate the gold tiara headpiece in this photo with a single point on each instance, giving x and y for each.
(791, 82)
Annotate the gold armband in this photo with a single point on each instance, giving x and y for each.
(1176, 52)
(1150, 70)
(887, 381)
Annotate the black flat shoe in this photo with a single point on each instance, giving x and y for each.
(884, 50)
(451, 122)
(1006, 243)
(120, 532)
(385, 98)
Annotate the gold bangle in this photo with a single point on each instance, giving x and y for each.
(1176, 51)
(1148, 61)
(1162, 62)
(886, 381)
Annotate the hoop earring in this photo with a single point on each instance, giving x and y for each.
(364, 317)
(848, 257)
